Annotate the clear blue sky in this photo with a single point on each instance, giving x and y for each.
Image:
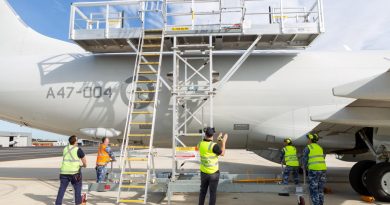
(49, 17)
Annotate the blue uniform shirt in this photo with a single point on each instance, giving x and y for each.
(305, 157)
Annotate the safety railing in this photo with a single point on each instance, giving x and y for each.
(186, 14)
(183, 15)
(113, 15)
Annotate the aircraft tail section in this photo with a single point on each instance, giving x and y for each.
(17, 38)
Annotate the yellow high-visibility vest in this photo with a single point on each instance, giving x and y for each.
(208, 159)
(70, 161)
(290, 156)
(316, 160)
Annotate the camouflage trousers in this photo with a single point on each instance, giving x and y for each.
(286, 174)
(317, 180)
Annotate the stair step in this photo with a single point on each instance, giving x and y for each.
(135, 173)
(140, 123)
(150, 54)
(131, 201)
(143, 101)
(137, 159)
(139, 135)
(147, 72)
(147, 81)
(142, 112)
(151, 46)
(152, 43)
(192, 45)
(152, 30)
(152, 37)
(137, 147)
(150, 63)
(133, 186)
(145, 91)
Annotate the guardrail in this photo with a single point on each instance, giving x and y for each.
(182, 15)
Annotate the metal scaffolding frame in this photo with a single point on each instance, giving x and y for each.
(104, 27)
(186, 90)
(200, 92)
(116, 27)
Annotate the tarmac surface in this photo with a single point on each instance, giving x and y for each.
(35, 181)
(22, 153)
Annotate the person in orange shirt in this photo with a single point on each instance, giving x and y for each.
(105, 155)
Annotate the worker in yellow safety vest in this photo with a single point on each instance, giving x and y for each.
(209, 168)
(314, 160)
(288, 156)
(104, 156)
(70, 170)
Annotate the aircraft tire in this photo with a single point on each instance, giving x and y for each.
(378, 181)
(357, 176)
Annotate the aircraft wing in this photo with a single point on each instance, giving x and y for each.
(370, 109)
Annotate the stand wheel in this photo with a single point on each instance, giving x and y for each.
(301, 200)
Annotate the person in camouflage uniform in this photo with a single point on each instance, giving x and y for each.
(289, 156)
(314, 159)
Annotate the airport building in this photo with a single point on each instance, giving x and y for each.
(15, 139)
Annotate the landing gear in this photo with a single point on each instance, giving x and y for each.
(378, 181)
(358, 176)
(372, 177)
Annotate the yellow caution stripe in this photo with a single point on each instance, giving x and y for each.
(180, 28)
(143, 101)
(135, 173)
(150, 54)
(280, 17)
(149, 63)
(152, 37)
(185, 148)
(131, 201)
(142, 112)
(153, 30)
(152, 46)
(140, 123)
(147, 81)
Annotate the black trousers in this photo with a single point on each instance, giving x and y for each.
(209, 181)
(76, 181)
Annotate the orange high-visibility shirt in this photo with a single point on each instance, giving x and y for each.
(103, 157)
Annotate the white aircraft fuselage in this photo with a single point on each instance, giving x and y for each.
(55, 86)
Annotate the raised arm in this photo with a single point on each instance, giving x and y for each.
(223, 144)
